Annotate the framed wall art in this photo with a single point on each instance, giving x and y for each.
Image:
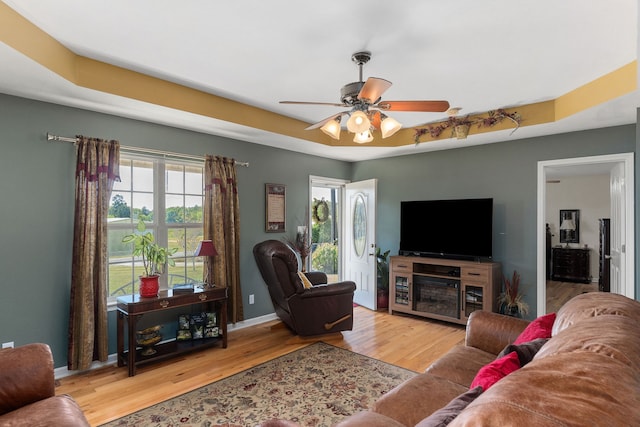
(569, 226)
(275, 207)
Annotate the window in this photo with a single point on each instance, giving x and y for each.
(168, 195)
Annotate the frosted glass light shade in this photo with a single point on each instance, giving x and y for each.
(332, 128)
(358, 122)
(389, 126)
(363, 137)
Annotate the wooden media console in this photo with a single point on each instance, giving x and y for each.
(443, 289)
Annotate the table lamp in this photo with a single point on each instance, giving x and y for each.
(206, 248)
(569, 227)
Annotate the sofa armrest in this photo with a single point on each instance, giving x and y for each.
(316, 277)
(492, 332)
(26, 376)
(56, 411)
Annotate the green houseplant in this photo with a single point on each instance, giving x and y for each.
(154, 258)
(382, 284)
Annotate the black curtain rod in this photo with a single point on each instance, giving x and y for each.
(145, 150)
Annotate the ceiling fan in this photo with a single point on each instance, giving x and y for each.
(366, 108)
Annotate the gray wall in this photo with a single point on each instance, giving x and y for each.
(505, 171)
(37, 178)
(37, 194)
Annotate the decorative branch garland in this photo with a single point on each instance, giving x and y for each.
(493, 117)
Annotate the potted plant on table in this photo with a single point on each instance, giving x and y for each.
(510, 300)
(154, 258)
(382, 284)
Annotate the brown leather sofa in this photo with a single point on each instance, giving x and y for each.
(588, 373)
(27, 390)
(320, 309)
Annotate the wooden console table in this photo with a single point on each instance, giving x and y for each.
(132, 307)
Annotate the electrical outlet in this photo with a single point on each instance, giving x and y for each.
(251, 299)
(8, 344)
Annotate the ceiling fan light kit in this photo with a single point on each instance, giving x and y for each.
(363, 137)
(332, 128)
(358, 122)
(364, 102)
(389, 126)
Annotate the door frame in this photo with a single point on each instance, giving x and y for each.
(331, 182)
(626, 160)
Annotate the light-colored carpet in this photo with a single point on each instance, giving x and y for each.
(317, 385)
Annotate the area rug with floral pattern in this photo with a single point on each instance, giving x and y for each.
(318, 385)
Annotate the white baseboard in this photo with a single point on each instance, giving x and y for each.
(63, 371)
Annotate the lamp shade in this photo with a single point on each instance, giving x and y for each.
(389, 126)
(358, 122)
(206, 248)
(332, 128)
(568, 224)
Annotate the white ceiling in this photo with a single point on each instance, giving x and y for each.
(479, 55)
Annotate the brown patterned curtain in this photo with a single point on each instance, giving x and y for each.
(97, 169)
(222, 226)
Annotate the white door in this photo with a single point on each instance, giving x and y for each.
(360, 246)
(617, 191)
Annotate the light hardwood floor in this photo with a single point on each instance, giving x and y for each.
(559, 293)
(108, 393)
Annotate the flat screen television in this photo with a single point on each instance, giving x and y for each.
(456, 229)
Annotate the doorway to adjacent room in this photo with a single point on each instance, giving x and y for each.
(619, 171)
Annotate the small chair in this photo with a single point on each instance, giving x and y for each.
(323, 308)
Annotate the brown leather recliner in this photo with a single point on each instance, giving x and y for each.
(27, 390)
(322, 309)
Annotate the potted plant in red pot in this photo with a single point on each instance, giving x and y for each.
(154, 258)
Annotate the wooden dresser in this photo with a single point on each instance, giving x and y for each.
(571, 265)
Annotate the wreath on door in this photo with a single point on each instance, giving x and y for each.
(320, 210)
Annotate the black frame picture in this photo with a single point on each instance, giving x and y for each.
(275, 207)
(568, 235)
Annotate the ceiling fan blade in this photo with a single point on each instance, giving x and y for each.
(322, 122)
(428, 106)
(373, 89)
(332, 104)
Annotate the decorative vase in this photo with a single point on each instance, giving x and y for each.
(147, 339)
(510, 310)
(149, 286)
(383, 299)
(461, 131)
